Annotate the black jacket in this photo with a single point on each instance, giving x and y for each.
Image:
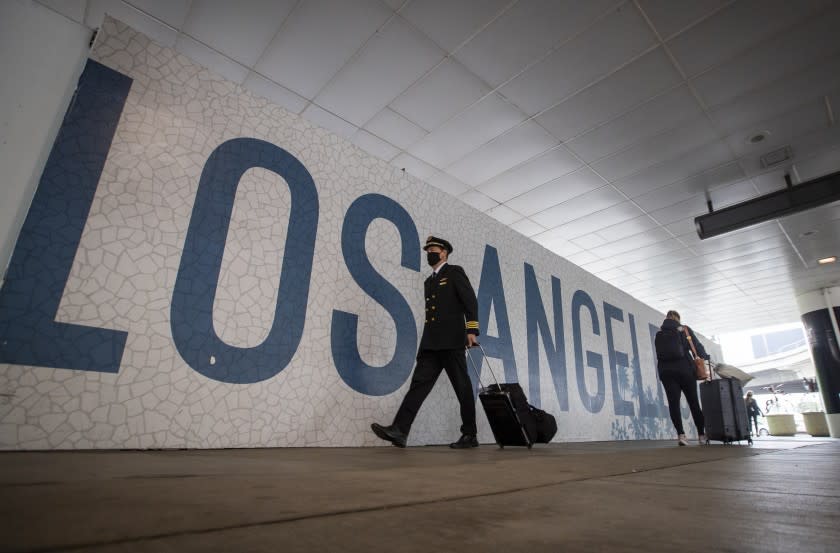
(684, 363)
(451, 310)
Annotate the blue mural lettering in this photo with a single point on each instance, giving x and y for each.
(536, 323)
(618, 360)
(358, 374)
(195, 286)
(491, 296)
(592, 402)
(49, 238)
(646, 408)
(660, 390)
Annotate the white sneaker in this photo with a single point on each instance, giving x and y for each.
(702, 439)
(682, 440)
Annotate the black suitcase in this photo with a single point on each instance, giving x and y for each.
(724, 411)
(507, 410)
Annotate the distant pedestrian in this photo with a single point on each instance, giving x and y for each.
(753, 411)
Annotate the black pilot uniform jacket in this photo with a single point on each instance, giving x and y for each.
(451, 310)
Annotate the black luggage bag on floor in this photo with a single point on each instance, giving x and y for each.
(512, 420)
(724, 410)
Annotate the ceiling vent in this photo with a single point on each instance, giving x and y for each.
(776, 157)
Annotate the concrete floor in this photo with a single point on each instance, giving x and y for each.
(779, 495)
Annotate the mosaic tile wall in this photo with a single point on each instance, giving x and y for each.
(202, 269)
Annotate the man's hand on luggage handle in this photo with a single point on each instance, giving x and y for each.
(472, 340)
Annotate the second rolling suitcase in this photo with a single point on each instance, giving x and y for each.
(724, 410)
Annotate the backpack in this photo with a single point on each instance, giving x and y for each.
(546, 425)
(669, 345)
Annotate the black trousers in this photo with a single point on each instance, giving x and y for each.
(754, 420)
(677, 381)
(429, 365)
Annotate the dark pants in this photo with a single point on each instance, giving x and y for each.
(682, 381)
(429, 365)
(754, 419)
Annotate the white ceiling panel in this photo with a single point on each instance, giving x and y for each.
(504, 214)
(500, 154)
(781, 130)
(413, 166)
(136, 17)
(716, 154)
(628, 228)
(171, 12)
(388, 64)
(329, 32)
(478, 200)
(530, 174)
(678, 191)
(582, 258)
(692, 207)
(635, 242)
(823, 140)
(72, 9)
(735, 240)
(587, 241)
(779, 56)
(447, 183)
(211, 59)
(239, 30)
(329, 121)
(604, 47)
(696, 139)
(823, 163)
(657, 265)
(746, 112)
(275, 93)
(669, 17)
(557, 191)
(662, 113)
(651, 250)
(524, 33)
(527, 227)
(734, 193)
(736, 28)
(445, 91)
(394, 128)
(477, 125)
(600, 219)
(374, 145)
(451, 22)
(628, 87)
(578, 207)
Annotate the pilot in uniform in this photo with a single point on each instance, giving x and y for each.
(451, 324)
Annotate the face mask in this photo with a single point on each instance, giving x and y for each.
(433, 258)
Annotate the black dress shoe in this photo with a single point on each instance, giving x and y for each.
(389, 433)
(464, 442)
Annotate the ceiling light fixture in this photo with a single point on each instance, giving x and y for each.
(808, 233)
(755, 138)
(827, 260)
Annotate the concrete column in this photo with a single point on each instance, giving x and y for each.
(820, 310)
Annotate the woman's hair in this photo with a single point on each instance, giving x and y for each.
(672, 315)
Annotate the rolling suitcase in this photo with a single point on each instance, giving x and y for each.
(507, 410)
(724, 411)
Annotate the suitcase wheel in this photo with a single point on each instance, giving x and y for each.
(530, 446)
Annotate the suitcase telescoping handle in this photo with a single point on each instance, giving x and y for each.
(476, 370)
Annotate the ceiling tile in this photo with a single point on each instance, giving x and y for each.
(396, 4)
(734, 193)
(275, 93)
(628, 87)
(578, 207)
(582, 257)
(171, 12)
(737, 28)
(803, 146)
(504, 214)
(321, 117)
(524, 33)
(788, 53)
(646, 121)
(651, 250)
(597, 266)
(628, 228)
(692, 207)
(478, 200)
(745, 112)
(394, 128)
(682, 190)
(632, 243)
(553, 242)
(212, 60)
(374, 145)
(445, 91)
(530, 174)
(447, 183)
(317, 39)
(500, 154)
(628, 164)
(72, 9)
(610, 43)
(601, 219)
(238, 30)
(413, 166)
(527, 227)
(822, 163)
(669, 17)
(477, 125)
(451, 22)
(587, 241)
(557, 191)
(147, 23)
(781, 130)
(389, 63)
